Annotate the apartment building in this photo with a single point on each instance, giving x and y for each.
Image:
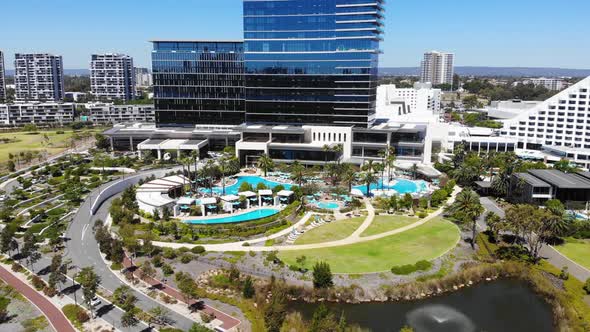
(2, 79)
(143, 77)
(393, 102)
(553, 84)
(437, 68)
(112, 77)
(38, 77)
(41, 114)
(116, 114)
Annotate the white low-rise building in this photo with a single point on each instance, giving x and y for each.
(160, 194)
(41, 114)
(421, 101)
(114, 114)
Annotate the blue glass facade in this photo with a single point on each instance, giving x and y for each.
(198, 83)
(312, 61)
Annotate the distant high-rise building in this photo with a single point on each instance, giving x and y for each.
(437, 68)
(112, 77)
(143, 77)
(38, 77)
(2, 79)
(553, 84)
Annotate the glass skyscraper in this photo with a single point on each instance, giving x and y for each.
(312, 62)
(198, 82)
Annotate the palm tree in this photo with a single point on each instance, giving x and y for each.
(298, 172)
(338, 150)
(467, 208)
(380, 168)
(209, 173)
(369, 178)
(185, 161)
(414, 170)
(265, 163)
(348, 175)
(223, 168)
(390, 160)
(195, 158)
(326, 148)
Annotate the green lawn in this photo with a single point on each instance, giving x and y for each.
(55, 143)
(427, 242)
(382, 224)
(336, 230)
(577, 250)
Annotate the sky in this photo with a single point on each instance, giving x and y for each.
(507, 33)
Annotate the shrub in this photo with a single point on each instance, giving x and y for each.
(169, 253)
(207, 318)
(167, 270)
(587, 286)
(168, 299)
(49, 291)
(16, 267)
(38, 283)
(186, 258)
(157, 261)
(82, 316)
(422, 214)
(564, 274)
(411, 268)
(322, 275)
(197, 250)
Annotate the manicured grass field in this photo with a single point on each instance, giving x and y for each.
(382, 224)
(577, 250)
(23, 142)
(336, 230)
(427, 242)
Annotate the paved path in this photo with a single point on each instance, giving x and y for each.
(352, 239)
(55, 316)
(548, 252)
(228, 322)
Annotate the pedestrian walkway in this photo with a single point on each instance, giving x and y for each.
(55, 316)
(228, 322)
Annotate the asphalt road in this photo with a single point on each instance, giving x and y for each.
(548, 252)
(83, 250)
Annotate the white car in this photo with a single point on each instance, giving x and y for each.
(2, 198)
(95, 302)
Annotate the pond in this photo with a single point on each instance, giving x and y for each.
(501, 306)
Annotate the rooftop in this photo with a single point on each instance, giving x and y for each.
(560, 179)
(533, 181)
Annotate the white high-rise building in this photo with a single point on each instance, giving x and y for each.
(143, 77)
(112, 77)
(553, 84)
(2, 78)
(437, 68)
(38, 77)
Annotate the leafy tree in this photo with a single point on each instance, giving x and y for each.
(565, 166)
(57, 274)
(531, 224)
(324, 321)
(102, 142)
(275, 311)
(248, 288)
(147, 271)
(160, 316)
(124, 298)
(89, 281)
(587, 286)
(30, 250)
(7, 241)
(187, 286)
(466, 209)
(128, 319)
(322, 275)
(11, 166)
(494, 223)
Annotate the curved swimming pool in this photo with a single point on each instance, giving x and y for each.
(253, 180)
(401, 186)
(248, 216)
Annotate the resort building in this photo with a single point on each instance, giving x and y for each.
(161, 194)
(437, 68)
(38, 77)
(114, 114)
(397, 104)
(40, 114)
(112, 77)
(2, 79)
(537, 186)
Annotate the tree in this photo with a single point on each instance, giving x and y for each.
(466, 209)
(124, 298)
(297, 173)
(4, 314)
(557, 223)
(56, 274)
(128, 319)
(531, 224)
(160, 316)
(187, 286)
(89, 281)
(7, 241)
(368, 178)
(265, 163)
(248, 288)
(348, 175)
(147, 271)
(11, 166)
(324, 321)
(322, 275)
(199, 328)
(326, 149)
(275, 311)
(494, 223)
(30, 250)
(565, 166)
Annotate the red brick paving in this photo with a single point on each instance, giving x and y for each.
(228, 321)
(57, 319)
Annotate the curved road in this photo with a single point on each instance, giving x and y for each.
(83, 250)
(53, 314)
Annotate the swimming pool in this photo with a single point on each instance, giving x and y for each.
(325, 205)
(248, 216)
(402, 186)
(252, 180)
